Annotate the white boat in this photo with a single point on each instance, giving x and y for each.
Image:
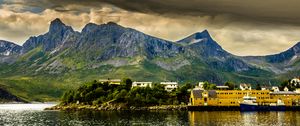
(249, 104)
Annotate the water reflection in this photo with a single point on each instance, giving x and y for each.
(25, 107)
(34, 115)
(88, 118)
(229, 118)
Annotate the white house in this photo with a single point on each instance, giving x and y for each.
(141, 84)
(169, 86)
(200, 86)
(295, 81)
(222, 87)
(111, 81)
(297, 90)
(275, 88)
(245, 87)
(286, 89)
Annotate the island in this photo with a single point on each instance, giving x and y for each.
(125, 95)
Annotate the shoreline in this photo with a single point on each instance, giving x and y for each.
(33, 102)
(121, 107)
(76, 107)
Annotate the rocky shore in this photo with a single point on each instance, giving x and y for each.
(110, 107)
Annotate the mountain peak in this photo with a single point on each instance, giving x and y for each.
(111, 23)
(196, 37)
(57, 25)
(56, 22)
(203, 34)
(90, 27)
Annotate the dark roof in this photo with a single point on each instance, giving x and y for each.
(285, 93)
(245, 85)
(212, 93)
(197, 93)
(222, 87)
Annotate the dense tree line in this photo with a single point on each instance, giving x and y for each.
(209, 86)
(97, 93)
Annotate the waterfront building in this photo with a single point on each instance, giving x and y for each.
(289, 97)
(295, 81)
(286, 89)
(297, 90)
(245, 87)
(275, 88)
(200, 86)
(111, 81)
(141, 84)
(170, 86)
(222, 87)
(235, 97)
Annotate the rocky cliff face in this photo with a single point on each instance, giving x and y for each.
(58, 35)
(203, 45)
(291, 54)
(284, 62)
(116, 41)
(9, 48)
(9, 52)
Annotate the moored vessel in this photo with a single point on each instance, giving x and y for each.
(249, 104)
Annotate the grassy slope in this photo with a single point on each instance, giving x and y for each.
(23, 80)
(49, 87)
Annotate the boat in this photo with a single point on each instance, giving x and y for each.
(249, 104)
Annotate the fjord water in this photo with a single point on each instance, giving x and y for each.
(33, 114)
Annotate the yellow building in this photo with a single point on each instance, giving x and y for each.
(288, 97)
(234, 97)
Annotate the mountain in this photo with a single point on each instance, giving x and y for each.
(62, 59)
(281, 63)
(289, 55)
(9, 48)
(201, 45)
(8, 51)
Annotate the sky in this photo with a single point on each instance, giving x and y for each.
(242, 27)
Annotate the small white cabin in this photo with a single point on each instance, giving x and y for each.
(141, 84)
(275, 88)
(245, 87)
(169, 86)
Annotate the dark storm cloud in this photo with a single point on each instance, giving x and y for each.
(277, 11)
(282, 11)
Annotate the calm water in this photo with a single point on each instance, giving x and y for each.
(33, 114)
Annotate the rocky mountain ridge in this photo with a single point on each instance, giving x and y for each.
(62, 50)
